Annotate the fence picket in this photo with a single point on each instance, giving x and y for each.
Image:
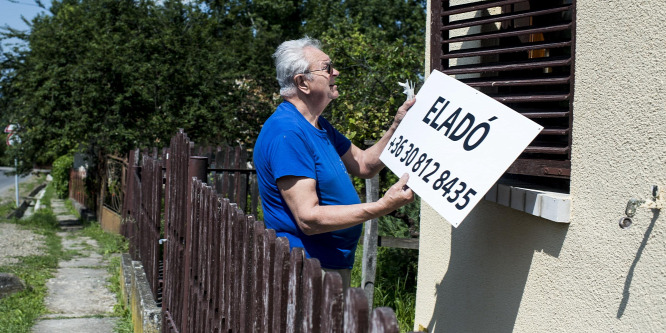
(294, 314)
(193, 254)
(222, 270)
(333, 304)
(267, 279)
(246, 263)
(311, 301)
(235, 234)
(356, 311)
(281, 284)
(383, 321)
(230, 271)
(255, 313)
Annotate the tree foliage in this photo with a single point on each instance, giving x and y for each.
(119, 74)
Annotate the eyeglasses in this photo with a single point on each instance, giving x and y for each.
(328, 69)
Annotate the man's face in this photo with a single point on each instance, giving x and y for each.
(323, 84)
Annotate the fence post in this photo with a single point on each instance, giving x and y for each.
(197, 168)
(369, 261)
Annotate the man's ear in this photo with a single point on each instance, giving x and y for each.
(302, 83)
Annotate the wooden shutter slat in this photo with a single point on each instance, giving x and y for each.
(472, 52)
(531, 98)
(510, 33)
(547, 150)
(477, 6)
(507, 66)
(539, 115)
(503, 17)
(551, 168)
(555, 131)
(498, 81)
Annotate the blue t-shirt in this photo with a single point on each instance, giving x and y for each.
(289, 145)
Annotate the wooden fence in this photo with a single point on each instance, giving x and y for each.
(77, 189)
(222, 270)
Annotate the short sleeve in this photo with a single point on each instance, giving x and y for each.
(339, 141)
(291, 156)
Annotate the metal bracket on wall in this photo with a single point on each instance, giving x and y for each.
(656, 202)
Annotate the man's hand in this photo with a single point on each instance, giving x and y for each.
(397, 195)
(402, 111)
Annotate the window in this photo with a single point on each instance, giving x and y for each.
(520, 53)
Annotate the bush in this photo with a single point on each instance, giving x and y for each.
(60, 173)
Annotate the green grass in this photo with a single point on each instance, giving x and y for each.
(19, 311)
(395, 279)
(27, 186)
(124, 323)
(6, 209)
(49, 194)
(107, 243)
(395, 282)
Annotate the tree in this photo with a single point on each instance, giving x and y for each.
(122, 74)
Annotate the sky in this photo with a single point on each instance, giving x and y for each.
(11, 11)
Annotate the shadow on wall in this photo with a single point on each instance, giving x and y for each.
(488, 268)
(630, 274)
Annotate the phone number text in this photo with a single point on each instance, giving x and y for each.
(430, 171)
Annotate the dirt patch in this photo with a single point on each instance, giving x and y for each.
(17, 242)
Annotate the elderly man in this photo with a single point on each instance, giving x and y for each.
(303, 163)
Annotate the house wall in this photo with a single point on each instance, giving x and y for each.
(503, 270)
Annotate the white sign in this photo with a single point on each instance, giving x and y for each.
(455, 142)
(11, 128)
(12, 138)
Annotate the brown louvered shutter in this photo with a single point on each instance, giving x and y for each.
(520, 53)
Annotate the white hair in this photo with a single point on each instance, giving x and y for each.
(290, 60)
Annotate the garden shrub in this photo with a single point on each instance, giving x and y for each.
(60, 174)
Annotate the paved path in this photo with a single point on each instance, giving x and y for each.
(78, 300)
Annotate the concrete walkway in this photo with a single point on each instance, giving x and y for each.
(78, 300)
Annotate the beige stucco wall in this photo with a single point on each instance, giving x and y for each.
(504, 270)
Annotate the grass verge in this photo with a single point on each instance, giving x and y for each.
(109, 246)
(19, 311)
(124, 323)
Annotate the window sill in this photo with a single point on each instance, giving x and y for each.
(551, 206)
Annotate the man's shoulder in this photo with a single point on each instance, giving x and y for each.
(282, 122)
(283, 115)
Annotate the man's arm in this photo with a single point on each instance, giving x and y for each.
(365, 163)
(301, 196)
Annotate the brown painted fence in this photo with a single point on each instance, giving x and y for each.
(142, 214)
(77, 189)
(223, 271)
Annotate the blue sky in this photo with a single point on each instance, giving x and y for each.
(11, 11)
